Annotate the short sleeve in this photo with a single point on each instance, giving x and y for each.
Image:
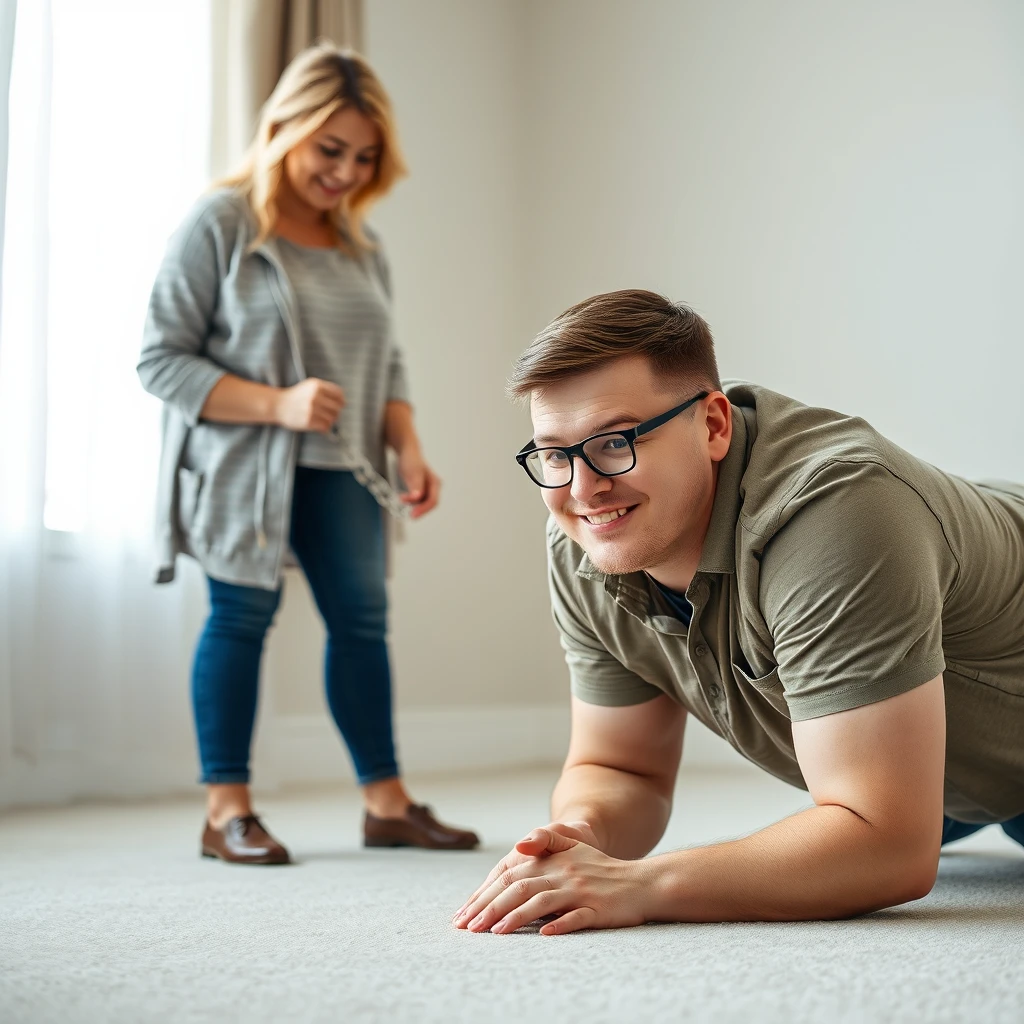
(398, 381)
(595, 675)
(852, 589)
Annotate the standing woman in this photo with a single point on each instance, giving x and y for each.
(269, 339)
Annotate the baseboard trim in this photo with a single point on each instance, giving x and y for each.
(302, 749)
(306, 748)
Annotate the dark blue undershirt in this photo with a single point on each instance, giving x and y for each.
(682, 608)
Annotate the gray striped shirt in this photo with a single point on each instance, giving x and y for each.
(345, 327)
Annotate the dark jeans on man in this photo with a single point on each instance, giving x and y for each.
(337, 534)
(954, 830)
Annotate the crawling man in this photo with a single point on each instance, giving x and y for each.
(845, 615)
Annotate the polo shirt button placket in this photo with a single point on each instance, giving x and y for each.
(700, 650)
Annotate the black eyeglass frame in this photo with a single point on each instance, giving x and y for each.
(576, 450)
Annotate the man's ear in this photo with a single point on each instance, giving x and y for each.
(718, 421)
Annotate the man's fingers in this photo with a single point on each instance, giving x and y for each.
(532, 846)
(501, 867)
(541, 842)
(574, 921)
(520, 872)
(479, 905)
(540, 905)
(510, 898)
(545, 840)
(463, 911)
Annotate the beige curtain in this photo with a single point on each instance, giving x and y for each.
(253, 41)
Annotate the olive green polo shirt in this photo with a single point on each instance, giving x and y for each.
(838, 570)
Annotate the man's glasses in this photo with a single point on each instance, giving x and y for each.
(610, 454)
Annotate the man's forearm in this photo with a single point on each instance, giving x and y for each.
(627, 813)
(826, 862)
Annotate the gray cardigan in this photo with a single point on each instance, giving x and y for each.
(225, 490)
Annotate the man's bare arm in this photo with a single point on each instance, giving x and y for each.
(620, 773)
(872, 840)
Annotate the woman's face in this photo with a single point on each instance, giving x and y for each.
(336, 160)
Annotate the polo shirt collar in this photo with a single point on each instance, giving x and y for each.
(719, 552)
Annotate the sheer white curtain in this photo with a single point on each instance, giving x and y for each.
(108, 144)
(16, 459)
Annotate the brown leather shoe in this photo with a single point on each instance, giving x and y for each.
(418, 827)
(243, 841)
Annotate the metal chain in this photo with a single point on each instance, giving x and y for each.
(385, 495)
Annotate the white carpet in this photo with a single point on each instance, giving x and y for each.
(107, 914)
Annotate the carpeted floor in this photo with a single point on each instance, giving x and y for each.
(108, 915)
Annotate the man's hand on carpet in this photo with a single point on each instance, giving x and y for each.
(554, 870)
(533, 846)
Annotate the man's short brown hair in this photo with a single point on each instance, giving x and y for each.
(631, 322)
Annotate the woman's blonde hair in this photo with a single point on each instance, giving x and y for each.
(320, 81)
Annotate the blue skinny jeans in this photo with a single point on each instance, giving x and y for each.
(337, 534)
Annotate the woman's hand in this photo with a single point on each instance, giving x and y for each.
(423, 487)
(311, 405)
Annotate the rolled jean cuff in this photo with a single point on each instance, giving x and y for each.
(378, 775)
(223, 778)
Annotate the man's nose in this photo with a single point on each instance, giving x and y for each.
(585, 482)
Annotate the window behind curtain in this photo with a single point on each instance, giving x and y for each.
(128, 154)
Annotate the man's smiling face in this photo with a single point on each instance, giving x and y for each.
(655, 516)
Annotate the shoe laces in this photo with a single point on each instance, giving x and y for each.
(242, 825)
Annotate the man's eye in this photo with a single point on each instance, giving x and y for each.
(554, 458)
(616, 444)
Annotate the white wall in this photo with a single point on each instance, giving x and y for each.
(478, 670)
(835, 187)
